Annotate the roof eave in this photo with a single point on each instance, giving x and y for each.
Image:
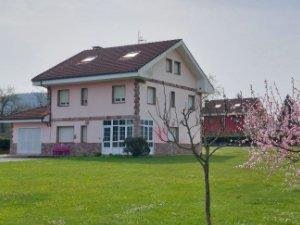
(31, 120)
(92, 78)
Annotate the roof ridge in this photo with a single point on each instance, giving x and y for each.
(152, 42)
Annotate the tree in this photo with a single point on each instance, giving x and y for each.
(8, 101)
(41, 98)
(199, 145)
(273, 127)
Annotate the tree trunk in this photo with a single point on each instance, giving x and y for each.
(207, 188)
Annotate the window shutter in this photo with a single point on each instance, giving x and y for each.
(65, 134)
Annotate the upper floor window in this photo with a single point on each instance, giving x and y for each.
(118, 94)
(191, 102)
(84, 96)
(177, 68)
(169, 65)
(151, 95)
(63, 98)
(172, 99)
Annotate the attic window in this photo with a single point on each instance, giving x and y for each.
(217, 106)
(131, 54)
(88, 59)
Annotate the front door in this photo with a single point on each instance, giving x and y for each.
(114, 134)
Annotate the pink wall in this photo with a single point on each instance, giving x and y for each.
(45, 131)
(99, 100)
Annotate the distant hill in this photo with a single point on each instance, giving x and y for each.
(31, 100)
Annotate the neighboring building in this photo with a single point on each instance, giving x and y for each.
(103, 95)
(216, 124)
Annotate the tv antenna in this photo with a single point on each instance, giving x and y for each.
(140, 38)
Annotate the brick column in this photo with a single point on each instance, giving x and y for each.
(136, 120)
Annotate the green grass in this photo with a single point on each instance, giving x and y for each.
(154, 190)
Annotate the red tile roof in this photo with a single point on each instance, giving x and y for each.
(35, 113)
(108, 61)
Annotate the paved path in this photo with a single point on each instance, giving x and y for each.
(7, 158)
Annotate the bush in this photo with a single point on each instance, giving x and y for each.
(4, 143)
(137, 146)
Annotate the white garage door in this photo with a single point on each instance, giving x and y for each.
(29, 141)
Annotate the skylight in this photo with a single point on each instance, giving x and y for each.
(131, 54)
(88, 59)
(217, 106)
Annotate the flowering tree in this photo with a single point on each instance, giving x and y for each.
(273, 126)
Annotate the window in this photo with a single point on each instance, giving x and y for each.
(173, 134)
(151, 95)
(63, 98)
(116, 131)
(83, 134)
(131, 54)
(169, 65)
(84, 96)
(191, 102)
(172, 99)
(65, 134)
(147, 131)
(118, 94)
(177, 68)
(87, 59)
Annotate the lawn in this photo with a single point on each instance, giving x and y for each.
(154, 190)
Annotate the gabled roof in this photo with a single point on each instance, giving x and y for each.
(107, 61)
(30, 114)
(232, 106)
(100, 64)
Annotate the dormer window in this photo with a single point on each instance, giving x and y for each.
(131, 54)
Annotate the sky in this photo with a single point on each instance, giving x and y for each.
(240, 42)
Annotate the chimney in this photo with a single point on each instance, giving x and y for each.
(96, 47)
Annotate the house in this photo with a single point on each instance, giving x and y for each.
(100, 96)
(224, 118)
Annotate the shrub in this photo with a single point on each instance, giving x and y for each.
(137, 146)
(4, 143)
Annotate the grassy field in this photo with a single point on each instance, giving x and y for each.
(160, 190)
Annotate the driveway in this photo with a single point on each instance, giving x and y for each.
(8, 158)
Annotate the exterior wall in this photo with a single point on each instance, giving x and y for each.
(99, 100)
(232, 126)
(185, 79)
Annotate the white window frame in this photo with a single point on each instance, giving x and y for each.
(151, 100)
(121, 99)
(83, 136)
(83, 98)
(177, 68)
(146, 126)
(116, 123)
(60, 102)
(58, 134)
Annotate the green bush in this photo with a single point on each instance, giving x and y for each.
(4, 143)
(137, 146)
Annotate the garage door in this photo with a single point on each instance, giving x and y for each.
(29, 141)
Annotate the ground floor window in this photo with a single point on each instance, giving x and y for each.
(147, 131)
(65, 134)
(116, 131)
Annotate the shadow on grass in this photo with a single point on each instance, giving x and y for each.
(148, 159)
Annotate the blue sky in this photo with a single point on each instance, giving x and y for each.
(239, 42)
